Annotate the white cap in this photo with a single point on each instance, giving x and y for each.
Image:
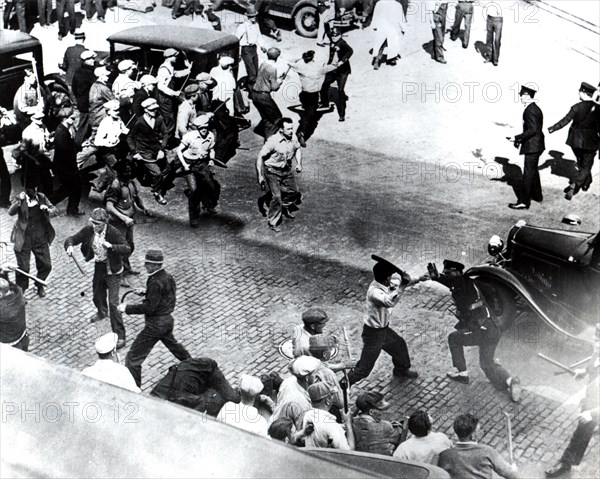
(87, 54)
(201, 121)
(148, 80)
(251, 385)
(101, 71)
(125, 65)
(224, 61)
(107, 343)
(112, 105)
(304, 365)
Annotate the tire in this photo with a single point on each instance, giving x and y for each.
(306, 21)
(501, 301)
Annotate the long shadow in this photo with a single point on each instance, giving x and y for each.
(482, 49)
(513, 175)
(559, 166)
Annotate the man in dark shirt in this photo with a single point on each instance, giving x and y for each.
(83, 79)
(157, 308)
(339, 56)
(468, 459)
(583, 138)
(147, 90)
(72, 60)
(532, 146)
(147, 140)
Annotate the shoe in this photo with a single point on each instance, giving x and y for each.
(558, 469)
(453, 38)
(465, 46)
(125, 284)
(342, 118)
(76, 213)
(261, 207)
(585, 187)
(405, 373)
(495, 64)
(132, 272)
(97, 317)
(569, 194)
(121, 344)
(487, 60)
(301, 140)
(102, 20)
(518, 206)
(159, 198)
(392, 63)
(274, 229)
(41, 291)
(60, 37)
(460, 376)
(278, 36)
(514, 390)
(321, 44)
(538, 200)
(287, 214)
(441, 60)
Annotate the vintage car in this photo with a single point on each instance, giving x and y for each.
(553, 272)
(145, 46)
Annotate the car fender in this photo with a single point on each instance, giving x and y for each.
(507, 278)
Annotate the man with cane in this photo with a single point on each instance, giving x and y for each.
(588, 417)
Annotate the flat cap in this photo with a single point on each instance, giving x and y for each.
(225, 61)
(204, 78)
(112, 105)
(201, 121)
(314, 315)
(87, 54)
(101, 71)
(125, 65)
(99, 215)
(170, 52)
(304, 365)
(38, 114)
(319, 391)
(251, 385)
(369, 400)
(251, 12)
(150, 104)
(148, 80)
(106, 343)
(308, 55)
(191, 89)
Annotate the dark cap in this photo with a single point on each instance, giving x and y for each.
(319, 391)
(370, 400)
(383, 267)
(154, 256)
(453, 265)
(314, 316)
(527, 90)
(251, 12)
(335, 32)
(587, 88)
(308, 55)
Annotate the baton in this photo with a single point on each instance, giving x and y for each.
(579, 363)
(509, 434)
(78, 265)
(37, 280)
(556, 363)
(347, 389)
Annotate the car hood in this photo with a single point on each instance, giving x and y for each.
(558, 243)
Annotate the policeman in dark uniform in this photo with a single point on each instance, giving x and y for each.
(583, 138)
(587, 419)
(532, 146)
(156, 308)
(476, 326)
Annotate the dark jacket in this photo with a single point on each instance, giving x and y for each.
(148, 141)
(18, 233)
(72, 60)
(532, 138)
(160, 296)
(344, 53)
(83, 79)
(585, 130)
(85, 237)
(139, 96)
(65, 153)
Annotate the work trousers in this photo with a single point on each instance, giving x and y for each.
(168, 106)
(94, 5)
(82, 132)
(70, 187)
(268, 110)
(284, 192)
(250, 57)
(463, 10)
(4, 182)
(43, 262)
(531, 188)
(66, 24)
(127, 232)
(21, 12)
(585, 161)
(204, 190)
(102, 284)
(494, 37)
(579, 442)
(156, 328)
(340, 79)
(487, 340)
(374, 341)
(309, 117)
(45, 12)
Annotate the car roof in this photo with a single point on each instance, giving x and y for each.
(13, 42)
(188, 39)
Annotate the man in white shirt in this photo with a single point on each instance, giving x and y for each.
(383, 294)
(107, 368)
(425, 446)
(327, 432)
(166, 94)
(244, 415)
(226, 84)
(313, 322)
(250, 39)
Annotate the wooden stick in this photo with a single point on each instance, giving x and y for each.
(347, 343)
(78, 265)
(37, 280)
(509, 434)
(583, 361)
(556, 363)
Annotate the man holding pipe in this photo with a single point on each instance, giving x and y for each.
(587, 419)
(103, 244)
(156, 308)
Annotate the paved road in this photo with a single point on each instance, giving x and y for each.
(399, 178)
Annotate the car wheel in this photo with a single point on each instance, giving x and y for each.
(306, 21)
(501, 300)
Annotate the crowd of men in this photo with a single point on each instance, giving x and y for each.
(155, 128)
